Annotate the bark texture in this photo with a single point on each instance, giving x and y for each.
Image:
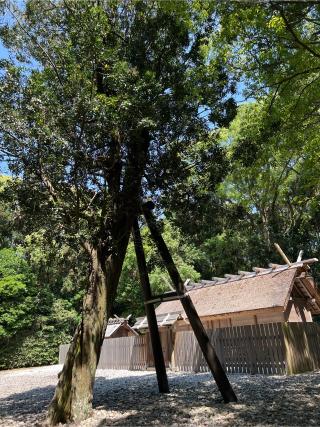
(72, 400)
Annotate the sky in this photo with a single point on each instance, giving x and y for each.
(3, 51)
(3, 54)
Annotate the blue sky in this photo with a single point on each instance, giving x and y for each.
(3, 54)
(3, 51)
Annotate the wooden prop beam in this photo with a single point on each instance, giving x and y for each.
(167, 296)
(195, 322)
(150, 312)
(283, 255)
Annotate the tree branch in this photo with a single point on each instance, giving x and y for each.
(295, 36)
(34, 40)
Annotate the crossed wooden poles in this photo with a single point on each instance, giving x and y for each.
(179, 293)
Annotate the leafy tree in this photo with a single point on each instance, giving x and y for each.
(273, 47)
(40, 301)
(41, 292)
(111, 99)
(129, 298)
(271, 150)
(271, 192)
(60, 272)
(17, 293)
(192, 203)
(10, 235)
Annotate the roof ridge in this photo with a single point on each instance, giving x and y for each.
(116, 320)
(258, 271)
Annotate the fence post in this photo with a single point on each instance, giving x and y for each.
(297, 353)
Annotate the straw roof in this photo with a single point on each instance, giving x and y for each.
(116, 323)
(260, 289)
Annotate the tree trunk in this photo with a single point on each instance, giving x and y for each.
(72, 400)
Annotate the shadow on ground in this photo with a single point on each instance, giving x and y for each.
(193, 399)
(26, 407)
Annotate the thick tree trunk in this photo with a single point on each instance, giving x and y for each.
(72, 400)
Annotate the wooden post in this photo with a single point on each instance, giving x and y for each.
(283, 255)
(195, 322)
(150, 312)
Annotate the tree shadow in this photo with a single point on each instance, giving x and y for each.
(193, 399)
(27, 407)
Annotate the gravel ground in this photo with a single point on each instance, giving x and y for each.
(130, 398)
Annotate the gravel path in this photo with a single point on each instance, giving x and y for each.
(125, 398)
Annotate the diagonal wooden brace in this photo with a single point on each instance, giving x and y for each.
(150, 312)
(207, 349)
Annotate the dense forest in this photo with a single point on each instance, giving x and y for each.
(211, 109)
(249, 181)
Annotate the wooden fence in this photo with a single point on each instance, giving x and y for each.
(124, 353)
(241, 349)
(119, 353)
(272, 348)
(302, 347)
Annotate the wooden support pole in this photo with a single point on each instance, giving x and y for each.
(195, 322)
(300, 256)
(150, 312)
(283, 255)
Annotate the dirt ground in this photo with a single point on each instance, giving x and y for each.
(130, 398)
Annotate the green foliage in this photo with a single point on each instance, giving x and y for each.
(87, 80)
(9, 232)
(270, 193)
(115, 70)
(101, 104)
(17, 293)
(274, 47)
(32, 348)
(41, 289)
(186, 257)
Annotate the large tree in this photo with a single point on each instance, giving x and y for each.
(271, 193)
(274, 48)
(271, 151)
(98, 99)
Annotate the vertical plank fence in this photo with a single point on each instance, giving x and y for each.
(271, 348)
(124, 353)
(302, 347)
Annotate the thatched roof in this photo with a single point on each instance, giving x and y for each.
(166, 319)
(260, 289)
(116, 323)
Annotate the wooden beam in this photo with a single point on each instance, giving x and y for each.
(309, 261)
(150, 312)
(195, 322)
(300, 256)
(167, 296)
(283, 255)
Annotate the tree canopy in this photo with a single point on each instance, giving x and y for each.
(209, 108)
(99, 103)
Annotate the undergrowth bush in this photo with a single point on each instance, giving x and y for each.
(32, 348)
